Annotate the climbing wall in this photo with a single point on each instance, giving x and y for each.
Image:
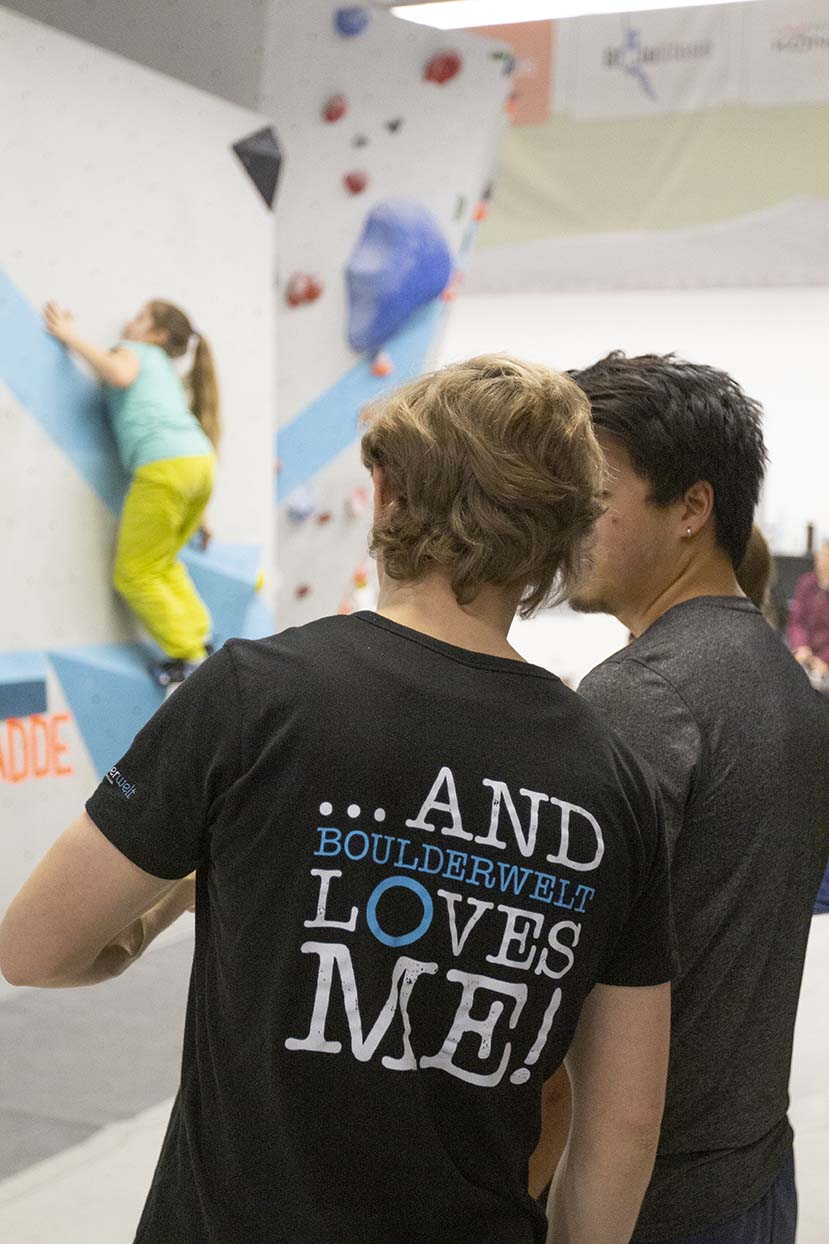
(391, 135)
(118, 186)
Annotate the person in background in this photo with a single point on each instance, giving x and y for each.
(737, 739)
(426, 872)
(756, 573)
(808, 631)
(168, 448)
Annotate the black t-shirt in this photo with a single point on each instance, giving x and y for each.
(414, 862)
(712, 699)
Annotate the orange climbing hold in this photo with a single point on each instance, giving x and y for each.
(382, 365)
(481, 212)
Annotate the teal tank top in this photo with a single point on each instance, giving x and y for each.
(150, 419)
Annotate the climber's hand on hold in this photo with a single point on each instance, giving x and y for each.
(60, 324)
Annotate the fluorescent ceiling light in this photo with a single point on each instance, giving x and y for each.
(460, 14)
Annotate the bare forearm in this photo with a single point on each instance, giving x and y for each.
(556, 1108)
(597, 1200)
(100, 360)
(132, 941)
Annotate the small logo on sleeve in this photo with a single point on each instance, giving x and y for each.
(116, 778)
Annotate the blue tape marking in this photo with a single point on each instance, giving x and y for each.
(240, 561)
(260, 621)
(328, 425)
(111, 696)
(67, 404)
(227, 596)
(22, 699)
(22, 684)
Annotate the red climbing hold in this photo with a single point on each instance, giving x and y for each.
(443, 67)
(357, 501)
(302, 591)
(335, 109)
(356, 182)
(301, 288)
(382, 365)
(324, 518)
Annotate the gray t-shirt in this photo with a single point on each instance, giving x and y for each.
(739, 742)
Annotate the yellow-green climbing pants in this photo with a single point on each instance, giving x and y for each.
(162, 511)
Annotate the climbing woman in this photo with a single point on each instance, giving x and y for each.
(168, 447)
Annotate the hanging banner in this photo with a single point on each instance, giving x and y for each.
(532, 47)
(646, 64)
(787, 53)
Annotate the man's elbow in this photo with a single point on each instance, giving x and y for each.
(19, 977)
(23, 970)
(637, 1132)
(11, 977)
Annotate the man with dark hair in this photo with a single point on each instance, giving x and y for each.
(738, 741)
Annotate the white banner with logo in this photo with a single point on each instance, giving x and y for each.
(787, 53)
(764, 53)
(645, 64)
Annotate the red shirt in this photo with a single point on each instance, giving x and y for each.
(809, 618)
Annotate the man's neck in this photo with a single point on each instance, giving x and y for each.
(430, 607)
(713, 576)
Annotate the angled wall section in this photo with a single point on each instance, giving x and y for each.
(129, 190)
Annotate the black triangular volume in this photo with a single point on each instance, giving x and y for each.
(261, 155)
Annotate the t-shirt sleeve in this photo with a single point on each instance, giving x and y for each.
(656, 723)
(158, 803)
(645, 952)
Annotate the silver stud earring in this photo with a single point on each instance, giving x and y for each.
(689, 533)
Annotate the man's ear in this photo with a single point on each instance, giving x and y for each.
(381, 491)
(697, 507)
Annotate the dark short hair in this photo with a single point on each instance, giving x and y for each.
(680, 423)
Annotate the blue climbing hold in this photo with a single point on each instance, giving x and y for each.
(401, 262)
(352, 20)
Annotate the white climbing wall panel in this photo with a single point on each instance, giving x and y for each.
(118, 185)
(413, 139)
(436, 144)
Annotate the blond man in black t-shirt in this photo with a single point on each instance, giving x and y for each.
(425, 873)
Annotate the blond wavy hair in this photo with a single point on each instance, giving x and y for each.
(494, 474)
